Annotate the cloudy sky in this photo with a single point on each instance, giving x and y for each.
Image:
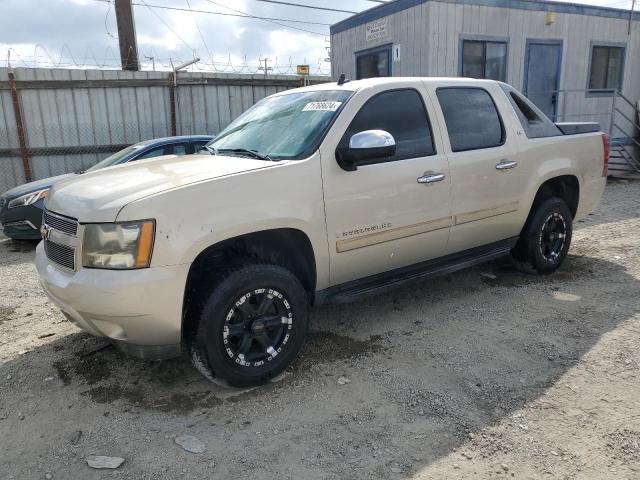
(83, 32)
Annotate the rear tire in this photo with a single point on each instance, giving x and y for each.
(252, 325)
(545, 238)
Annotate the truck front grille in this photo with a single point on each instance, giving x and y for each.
(60, 254)
(64, 224)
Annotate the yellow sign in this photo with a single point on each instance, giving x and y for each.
(303, 69)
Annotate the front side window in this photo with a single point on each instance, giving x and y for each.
(197, 146)
(484, 59)
(400, 113)
(606, 68)
(373, 64)
(288, 126)
(471, 117)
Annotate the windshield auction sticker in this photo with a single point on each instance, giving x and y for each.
(321, 106)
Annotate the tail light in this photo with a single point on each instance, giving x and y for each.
(605, 147)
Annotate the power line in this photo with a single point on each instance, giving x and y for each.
(168, 26)
(291, 4)
(266, 19)
(238, 15)
(204, 42)
(195, 10)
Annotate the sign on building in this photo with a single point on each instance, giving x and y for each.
(377, 30)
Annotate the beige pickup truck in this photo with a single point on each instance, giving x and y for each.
(319, 193)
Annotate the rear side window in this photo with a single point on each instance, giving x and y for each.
(156, 152)
(403, 115)
(472, 119)
(180, 149)
(534, 122)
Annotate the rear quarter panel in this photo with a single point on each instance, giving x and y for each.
(578, 155)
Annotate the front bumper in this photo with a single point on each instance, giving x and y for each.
(139, 310)
(22, 223)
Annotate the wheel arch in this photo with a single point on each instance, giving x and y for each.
(566, 187)
(290, 248)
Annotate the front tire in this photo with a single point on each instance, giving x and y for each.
(545, 238)
(252, 325)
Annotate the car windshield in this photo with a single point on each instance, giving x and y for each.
(286, 126)
(116, 157)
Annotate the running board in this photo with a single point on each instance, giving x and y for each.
(376, 284)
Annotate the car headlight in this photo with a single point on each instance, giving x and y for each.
(118, 246)
(28, 198)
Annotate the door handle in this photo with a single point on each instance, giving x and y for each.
(506, 165)
(429, 177)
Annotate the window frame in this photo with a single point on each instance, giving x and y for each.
(606, 92)
(377, 161)
(495, 105)
(387, 47)
(485, 39)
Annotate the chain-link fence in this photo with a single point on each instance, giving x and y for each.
(53, 122)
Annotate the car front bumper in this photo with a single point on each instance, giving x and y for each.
(22, 223)
(138, 310)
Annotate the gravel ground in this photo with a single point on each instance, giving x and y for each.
(467, 376)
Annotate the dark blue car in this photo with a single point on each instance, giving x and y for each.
(21, 207)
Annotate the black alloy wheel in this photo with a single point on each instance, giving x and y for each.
(257, 327)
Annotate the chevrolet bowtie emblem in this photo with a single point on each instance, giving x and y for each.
(45, 231)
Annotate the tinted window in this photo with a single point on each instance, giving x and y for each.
(482, 59)
(471, 117)
(373, 64)
(156, 152)
(402, 114)
(197, 146)
(180, 149)
(606, 68)
(534, 123)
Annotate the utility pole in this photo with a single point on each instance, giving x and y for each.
(127, 35)
(153, 62)
(266, 67)
(633, 5)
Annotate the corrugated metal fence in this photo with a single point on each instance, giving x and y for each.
(72, 119)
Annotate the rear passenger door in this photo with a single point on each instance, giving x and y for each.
(483, 157)
(380, 217)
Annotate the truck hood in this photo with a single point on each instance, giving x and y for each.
(99, 196)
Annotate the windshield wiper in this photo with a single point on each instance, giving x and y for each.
(211, 150)
(246, 151)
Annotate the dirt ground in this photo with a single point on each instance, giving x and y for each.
(467, 376)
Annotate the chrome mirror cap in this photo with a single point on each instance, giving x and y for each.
(372, 139)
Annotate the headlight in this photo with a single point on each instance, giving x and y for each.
(118, 246)
(29, 198)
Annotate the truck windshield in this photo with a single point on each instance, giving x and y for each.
(287, 126)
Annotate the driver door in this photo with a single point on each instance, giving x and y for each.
(384, 214)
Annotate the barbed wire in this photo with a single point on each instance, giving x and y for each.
(42, 58)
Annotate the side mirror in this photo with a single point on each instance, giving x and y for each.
(364, 146)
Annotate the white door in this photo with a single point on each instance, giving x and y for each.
(380, 217)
